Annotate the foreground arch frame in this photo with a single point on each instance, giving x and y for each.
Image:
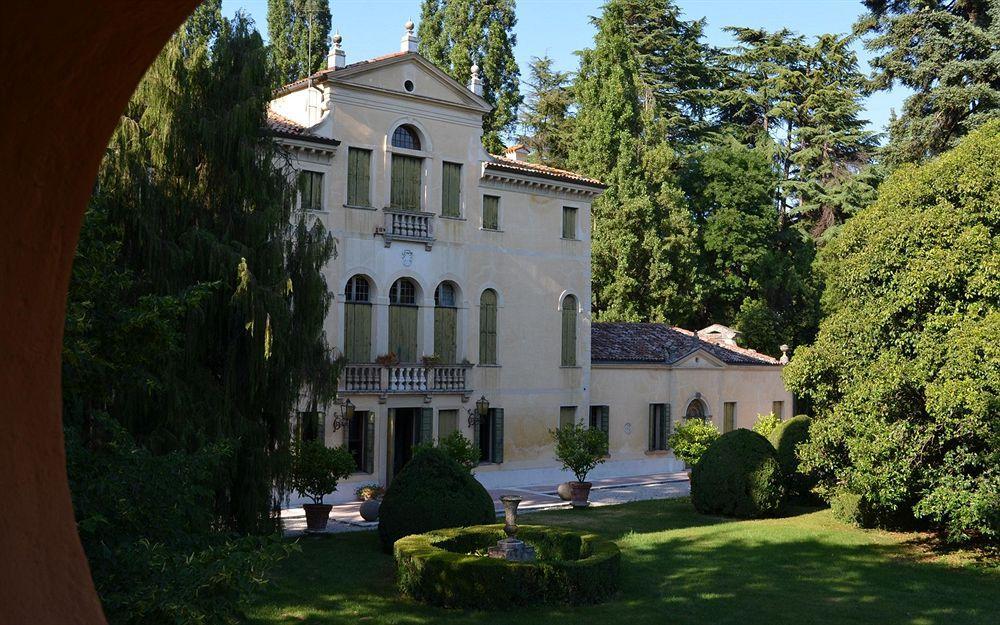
(68, 73)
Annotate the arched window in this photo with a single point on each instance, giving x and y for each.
(406, 137)
(403, 320)
(696, 410)
(569, 331)
(445, 322)
(488, 327)
(358, 320)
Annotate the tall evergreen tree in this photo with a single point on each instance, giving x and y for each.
(545, 117)
(211, 327)
(944, 50)
(457, 34)
(299, 34)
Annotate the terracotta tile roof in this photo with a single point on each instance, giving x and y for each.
(661, 343)
(281, 126)
(500, 163)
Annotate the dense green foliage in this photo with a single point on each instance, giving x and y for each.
(903, 374)
(448, 568)
(298, 33)
(580, 448)
(738, 476)
(786, 438)
(316, 468)
(457, 34)
(691, 439)
(766, 423)
(544, 118)
(457, 447)
(431, 492)
(674, 562)
(945, 52)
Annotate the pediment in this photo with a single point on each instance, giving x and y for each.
(699, 359)
(390, 75)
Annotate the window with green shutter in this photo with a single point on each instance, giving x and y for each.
(488, 327)
(491, 212)
(599, 418)
(567, 415)
(569, 223)
(361, 441)
(403, 320)
(729, 416)
(357, 320)
(310, 425)
(488, 434)
(359, 177)
(447, 423)
(311, 190)
(778, 408)
(659, 426)
(445, 322)
(569, 331)
(406, 176)
(451, 190)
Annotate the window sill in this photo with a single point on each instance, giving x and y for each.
(570, 367)
(657, 452)
(570, 239)
(317, 211)
(363, 208)
(488, 366)
(497, 230)
(452, 218)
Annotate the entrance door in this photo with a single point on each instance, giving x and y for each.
(407, 427)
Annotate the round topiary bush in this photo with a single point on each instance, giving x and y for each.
(738, 476)
(786, 438)
(432, 492)
(449, 568)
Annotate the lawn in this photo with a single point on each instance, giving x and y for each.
(678, 567)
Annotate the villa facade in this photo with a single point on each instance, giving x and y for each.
(464, 277)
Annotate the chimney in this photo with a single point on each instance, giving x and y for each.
(475, 85)
(720, 335)
(409, 42)
(336, 59)
(516, 153)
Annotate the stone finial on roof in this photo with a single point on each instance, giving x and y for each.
(337, 59)
(409, 42)
(475, 84)
(784, 355)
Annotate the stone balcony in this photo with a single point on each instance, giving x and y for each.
(406, 379)
(402, 225)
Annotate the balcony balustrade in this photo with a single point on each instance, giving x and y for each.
(402, 379)
(401, 225)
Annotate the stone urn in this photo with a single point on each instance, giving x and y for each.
(580, 493)
(564, 491)
(317, 516)
(369, 509)
(510, 548)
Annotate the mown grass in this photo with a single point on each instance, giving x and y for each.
(678, 567)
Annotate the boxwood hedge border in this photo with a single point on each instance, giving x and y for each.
(573, 568)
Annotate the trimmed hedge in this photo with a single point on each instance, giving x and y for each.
(786, 438)
(738, 476)
(432, 492)
(441, 568)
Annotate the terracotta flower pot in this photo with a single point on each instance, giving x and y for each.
(564, 491)
(369, 509)
(580, 494)
(317, 516)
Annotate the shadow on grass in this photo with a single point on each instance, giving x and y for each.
(678, 568)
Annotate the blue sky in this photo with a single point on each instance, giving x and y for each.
(560, 27)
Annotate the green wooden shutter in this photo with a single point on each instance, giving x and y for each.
(426, 425)
(358, 177)
(403, 332)
(497, 434)
(444, 333)
(569, 222)
(396, 185)
(477, 439)
(488, 328)
(569, 332)
(451, 189)
(491, 212)
(605, 425)
(405, 192)
(664, 426)
(369, 459)
(357, 332)
(652, 427)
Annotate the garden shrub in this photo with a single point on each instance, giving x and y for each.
(786, 438)
(444, 568)
(738, 476)
(765, 424)
(432, 492)
(692, 438)
(457, 447)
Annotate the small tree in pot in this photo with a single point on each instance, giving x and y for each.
(580, 449)
(316, 469)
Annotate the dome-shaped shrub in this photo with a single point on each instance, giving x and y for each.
(785, 438)
(738, 476)
(432, 492)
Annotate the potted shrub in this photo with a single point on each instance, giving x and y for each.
(387, 360)
(580, 449)
(370, 496)
(316, 469)
(430, 360)
(690, 440)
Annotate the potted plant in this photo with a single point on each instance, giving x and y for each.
(430, 360)
(691, 439)
(370, 496)
(580, 449)
(316, 469)
(387, 360)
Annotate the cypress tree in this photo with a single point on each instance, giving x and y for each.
(545, 118)
(299, 34)
(943, 50)
(211, 331)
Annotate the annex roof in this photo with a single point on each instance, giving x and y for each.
(503, 164)
(281, 126)
(661, 344)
